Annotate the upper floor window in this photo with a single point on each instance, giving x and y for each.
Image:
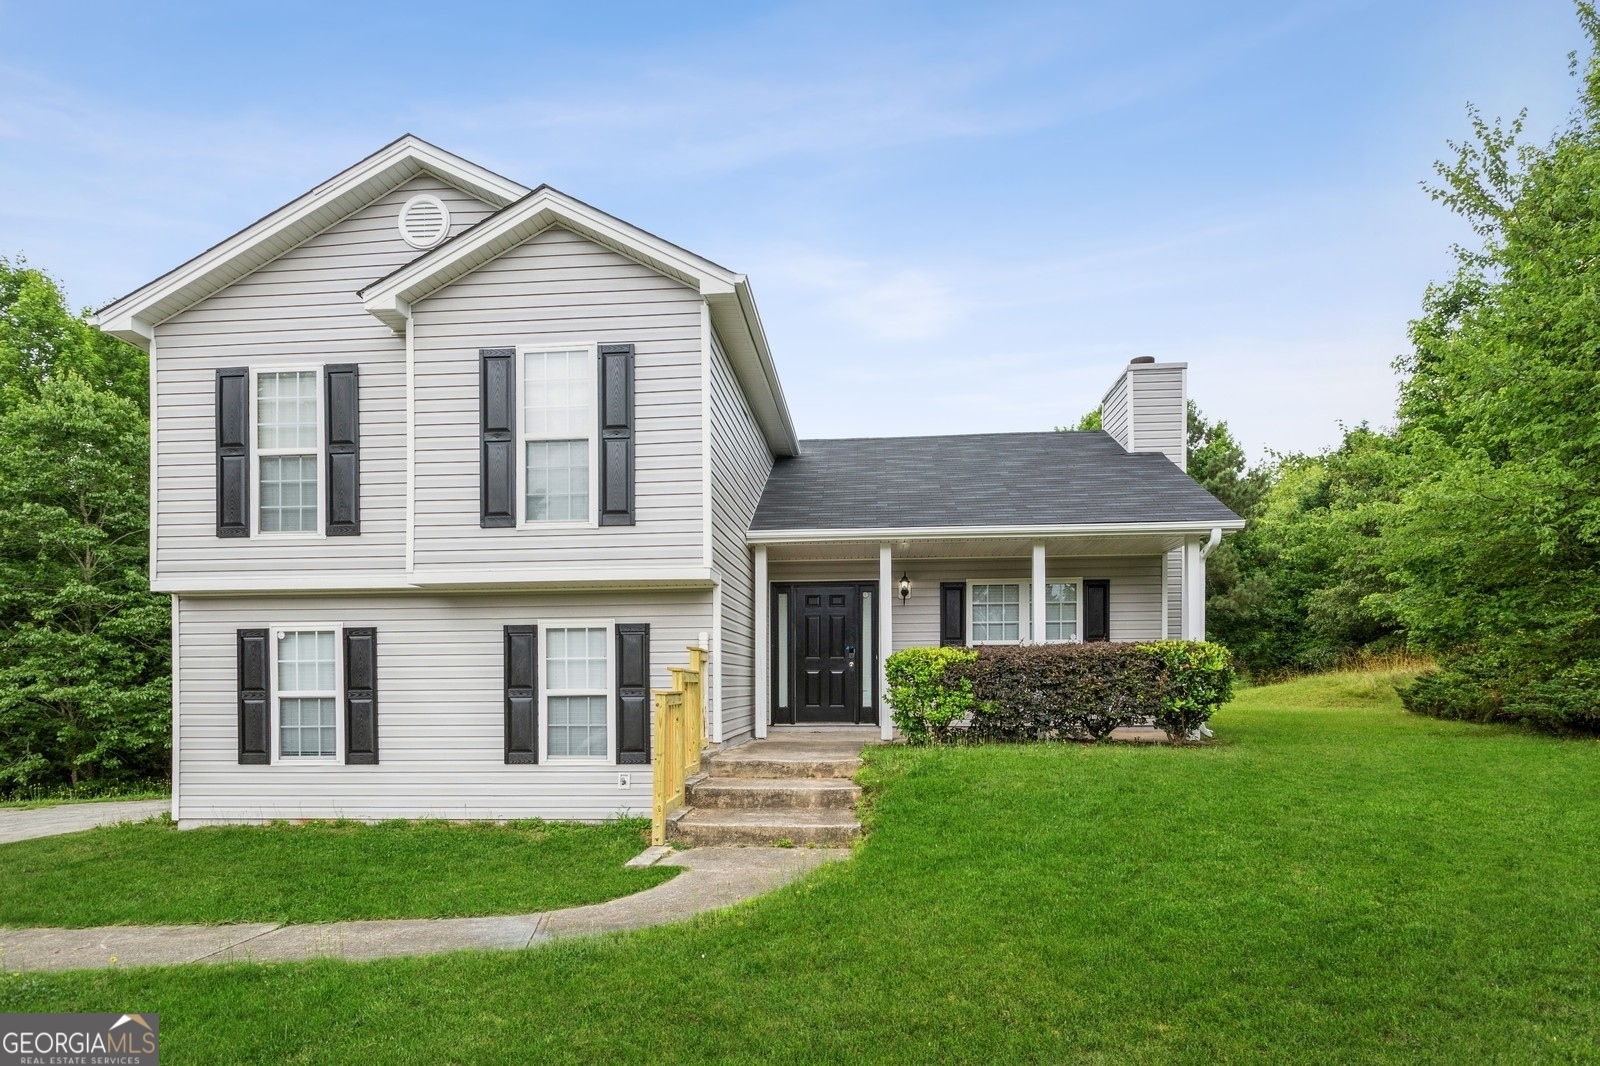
(559, 469)
(288, 454)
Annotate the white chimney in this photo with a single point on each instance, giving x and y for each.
(1146, 409)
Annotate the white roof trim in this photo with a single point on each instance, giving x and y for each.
(134, 317)
(733, 310)
(1108, 529)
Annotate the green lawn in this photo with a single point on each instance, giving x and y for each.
(1335, 881)
(150, 873)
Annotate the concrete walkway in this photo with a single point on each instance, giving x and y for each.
(71, 817)
(712, 878)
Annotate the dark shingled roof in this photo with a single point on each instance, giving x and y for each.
(983, 479)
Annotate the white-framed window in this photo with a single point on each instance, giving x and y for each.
(286, 460)
(558, 462)
(576, 690)
(998, 612)
(1001, 612)
(306, 724)
(1063, 610)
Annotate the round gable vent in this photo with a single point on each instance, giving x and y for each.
(424, 220)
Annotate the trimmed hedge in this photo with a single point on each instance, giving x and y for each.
(1056, 691)
(927, 702)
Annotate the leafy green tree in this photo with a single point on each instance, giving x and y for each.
(1496, 545)
(1308, 585)
(84, 691)
(40, 338)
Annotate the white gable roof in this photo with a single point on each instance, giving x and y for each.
(134, 316)
(727, 294)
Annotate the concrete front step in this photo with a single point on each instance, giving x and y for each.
(710, 828)
(771, 759)
(734, 793)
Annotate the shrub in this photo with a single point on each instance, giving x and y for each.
(1487, 687)
(927, 701)
(1197, 677)
(1057, 691)
(1061, 691)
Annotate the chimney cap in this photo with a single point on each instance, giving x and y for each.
(1138, 359)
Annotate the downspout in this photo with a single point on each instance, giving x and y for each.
(1216, 538)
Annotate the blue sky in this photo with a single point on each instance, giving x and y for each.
(956, 218)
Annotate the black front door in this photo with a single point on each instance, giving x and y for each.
(825, 653)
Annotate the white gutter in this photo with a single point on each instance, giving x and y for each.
(1107, 529)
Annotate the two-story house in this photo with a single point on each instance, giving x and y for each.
(447, 472)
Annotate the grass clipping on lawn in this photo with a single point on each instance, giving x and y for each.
(150, 873)
(1333, 881)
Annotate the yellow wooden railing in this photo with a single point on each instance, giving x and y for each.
(679, 728)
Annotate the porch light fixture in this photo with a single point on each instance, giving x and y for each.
(905, 587)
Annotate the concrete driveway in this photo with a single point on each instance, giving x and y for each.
(71, 817)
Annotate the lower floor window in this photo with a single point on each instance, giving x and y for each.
(577, 676)
(306, 694)
(1061, 610)
(996, 614)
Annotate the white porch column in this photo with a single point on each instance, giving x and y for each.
(1038, 594)
(1194, 591)
(761, 705)
(887, 592)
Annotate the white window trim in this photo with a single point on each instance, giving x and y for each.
(523, 437)
(545, 626)
(273, 696)
(321, 530)
(1025, 590)
(1076, 582)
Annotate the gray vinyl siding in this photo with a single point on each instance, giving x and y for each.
(441, 708)
(1114, 411)
(1135, 588)
(559, 288)
(1156, 405)
(740, 463)
(299, 309)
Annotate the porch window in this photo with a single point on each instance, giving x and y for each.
(558, 430)
(997, 613)
(576, 692)
(869, 676)
(287, 454)
(307, 695)
(1061, 610)
(783, 650)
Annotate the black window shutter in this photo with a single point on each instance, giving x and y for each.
(1097, 610)
(952, 613)
(344, 450)
(255, 740)
(616, 434)
(361, 696)
(233, 452)
(497, 468)
(522, 694)
(633, 692)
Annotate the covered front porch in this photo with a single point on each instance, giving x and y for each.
(830, 606)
